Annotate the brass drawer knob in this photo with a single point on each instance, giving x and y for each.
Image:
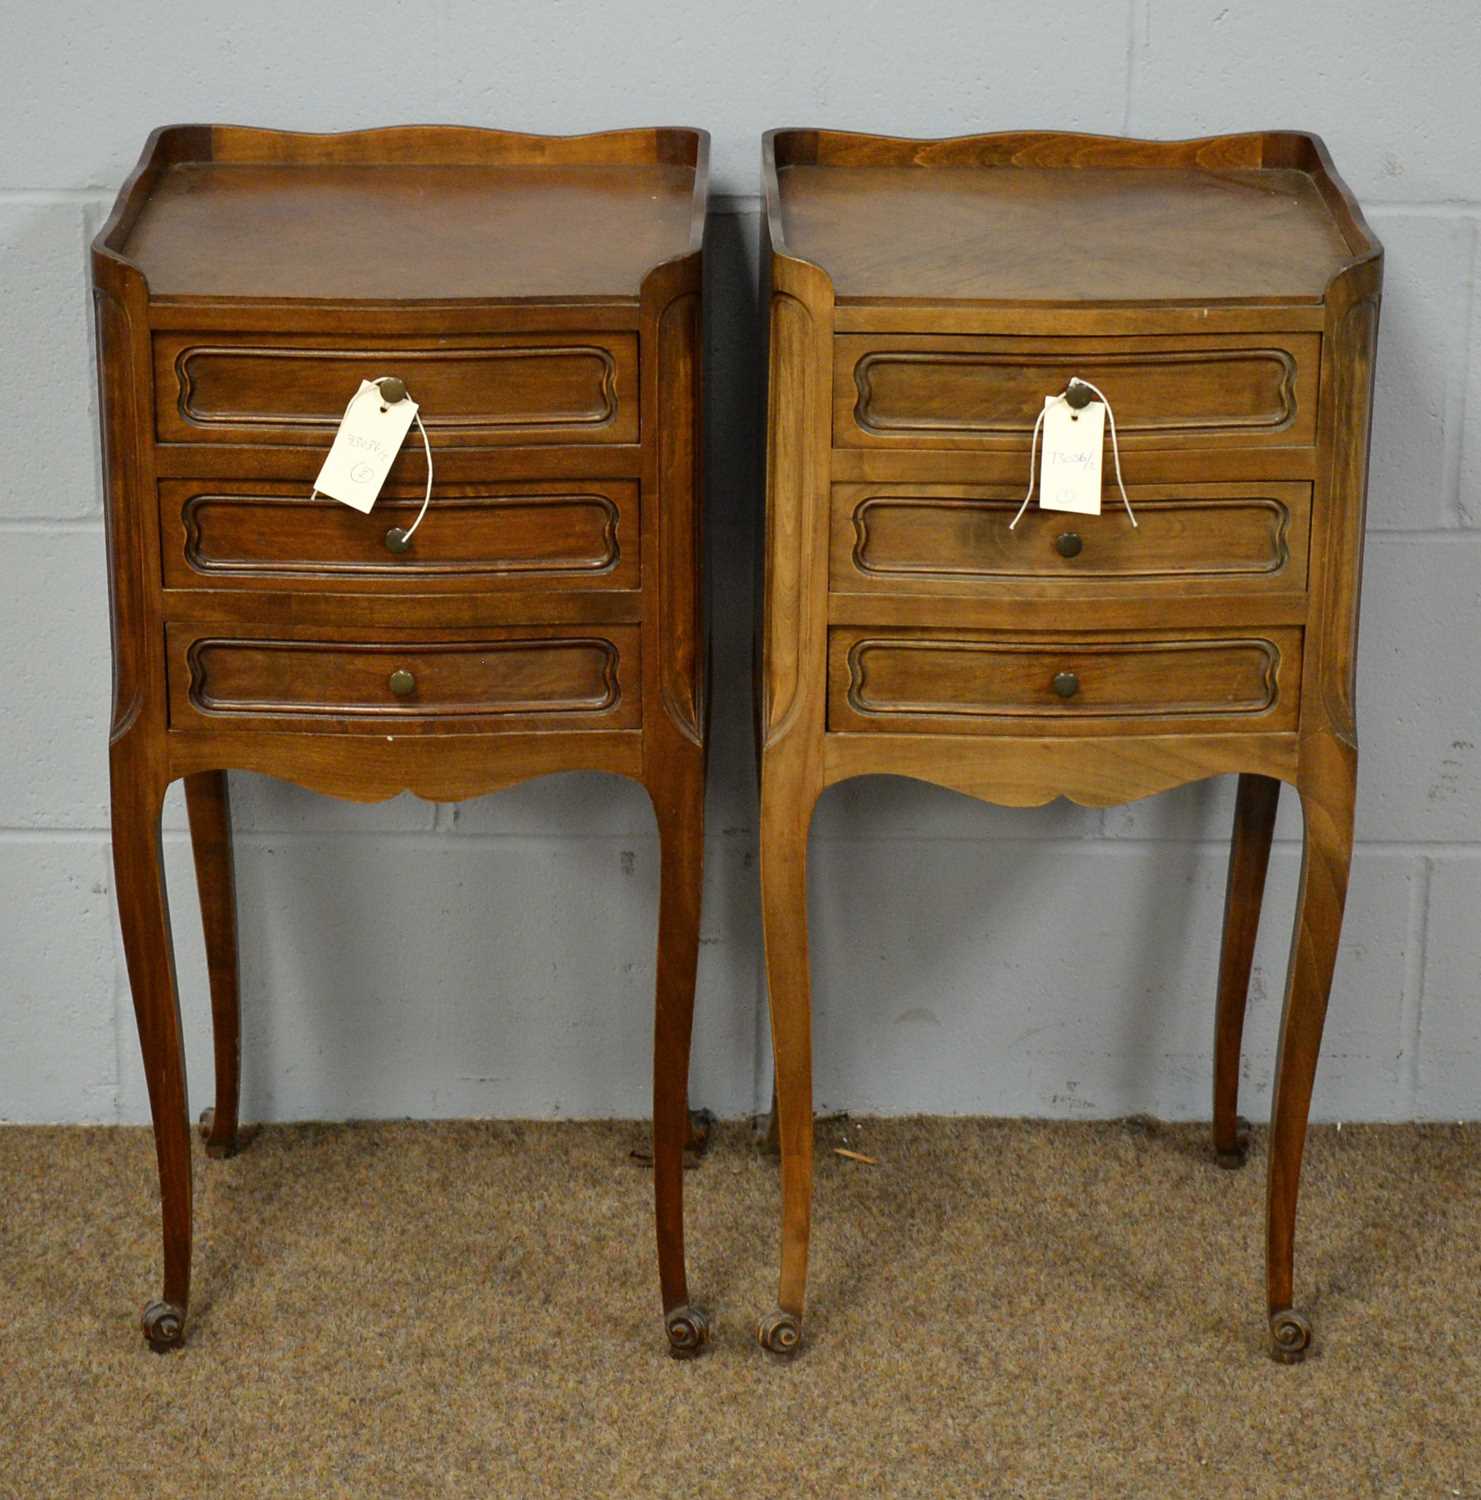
(1067, 544)
(401, 682)
(1066, 684)
(393, 390)
(398, 541)
(1078, 394)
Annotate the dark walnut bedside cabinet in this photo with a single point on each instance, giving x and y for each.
(924, 298)
(540, 299)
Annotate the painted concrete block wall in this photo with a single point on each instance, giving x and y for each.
(496, 958)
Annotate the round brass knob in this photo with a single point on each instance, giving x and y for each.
(397, 540)
(401, 682)
(394, 390)
(1067, 544)
(1066, 684)
(1078, 394)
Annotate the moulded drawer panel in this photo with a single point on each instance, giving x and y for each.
(963, 392)
(955, 539)
(259, 534)
(956, 682)
(476, 389)
(483, 680)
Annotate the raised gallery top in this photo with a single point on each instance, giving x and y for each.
(1053, 218)
(411, 213)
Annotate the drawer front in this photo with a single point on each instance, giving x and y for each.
(941, 682)
(267, 535)
(954, 539)
(475, 390)
(958, 392)
(528, 679)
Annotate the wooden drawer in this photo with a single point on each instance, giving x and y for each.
(954, 539)
(960, 392)
(472, 390)
(953, 682)
(266, 535)
(330, 681)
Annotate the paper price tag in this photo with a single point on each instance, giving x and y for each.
(365, 447)
(1069, 471)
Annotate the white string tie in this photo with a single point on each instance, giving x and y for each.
(1033, 458)
(1033, 465)
(427, 497)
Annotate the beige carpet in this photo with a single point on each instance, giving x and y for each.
(998, 1309)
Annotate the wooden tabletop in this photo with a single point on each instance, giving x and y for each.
(1062, 234)
(213, 229)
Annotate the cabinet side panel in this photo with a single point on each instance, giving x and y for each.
(680, 537)
(119, 415)
(797, 477)
(1341, 509)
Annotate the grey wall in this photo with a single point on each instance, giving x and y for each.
(496, 958)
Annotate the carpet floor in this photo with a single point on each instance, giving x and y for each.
(998, 1308)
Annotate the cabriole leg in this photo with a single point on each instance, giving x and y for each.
(208, 802)
(144, 917)
(1327, 786)
(1249, 858)
(786, 810)
(678, 800)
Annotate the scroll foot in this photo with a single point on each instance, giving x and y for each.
(1234, 1158)
(1290, 1336)
(688, 1331)
(164, 1326)
(780, 1332)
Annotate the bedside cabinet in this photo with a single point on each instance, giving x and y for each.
(539, 298)
(924, 299)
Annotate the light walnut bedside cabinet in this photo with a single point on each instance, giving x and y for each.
(923, 298)
(540, 298)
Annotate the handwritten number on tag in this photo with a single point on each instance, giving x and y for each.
(1069, 469)
(369, 438)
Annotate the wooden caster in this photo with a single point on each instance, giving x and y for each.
(164, 1326)
(1239, 1153)
(688, 1331)
(701, 1123)
(780, 1333)
(1290, 1336)
(220, 1149)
